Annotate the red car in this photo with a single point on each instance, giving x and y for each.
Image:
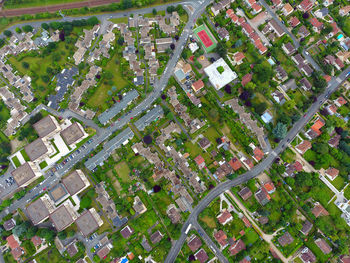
(44, 188)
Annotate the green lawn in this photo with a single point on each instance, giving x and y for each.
(118, 20)
(50, 255)
(338, 182)
(4, 113)
(43, 164)
(150, 15)
(16, 161)
(100, 98)
(347, 192)
(123, 171)
(25, 155)
(250, 236)
(318, 253)
(212, 134)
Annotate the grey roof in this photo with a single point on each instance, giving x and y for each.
(150, 116)
(107, 115)
(64, 80)
(108, 148)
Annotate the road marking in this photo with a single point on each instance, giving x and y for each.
(274, 153)
(339, 80)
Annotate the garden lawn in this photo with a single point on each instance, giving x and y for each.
(49, 255)
(16, 161)
(119, 20)
(250, 236)
(338, 182)
(100, 97)
(212, 134)
(123, 171)
(208, 220)
(25, 155)
(347, 192)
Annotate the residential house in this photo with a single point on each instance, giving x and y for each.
(307, 256)
(294, 21)
(305, 84)
(156, 237)
(237, 247)
(276, 28)
(269, 187)
(289, 49)
(323, 245)
(340, 101)
(223, 33)
(319, 210)
(281, 74)
(307, 226)
(225, 217)
(221, 238)
(285, 239)
(262, 196)
(204, 143)
(126, 232)
(332, 173)
(245, 193)
(9, 224)
(334, 141)
(201, 256)
(344, 11)
(303, 147)
(238, 58)
(235, 164)
(198, 85)
(303, 31)
(278, 97)
(277, 4)
(200, 161)
(287, 9)
(305, 5)
(316, 25)
(194, 243)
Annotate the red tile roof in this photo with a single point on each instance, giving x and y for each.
(199, 84)
(332, 172)
(237, 247)
(239, 56)
(36, 240)
(317, 126)
(199, 160)
(294, 21)
(12, 242)
(306, 5)
(246, 221)
(270, 188)
(224, 217)
(246, 79)
(316, 23)
(304, 146)
(258, 154)
(341, 101)
(298, 166)
(235, 164)
(221, 238)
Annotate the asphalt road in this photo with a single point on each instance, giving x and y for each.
(258, 169)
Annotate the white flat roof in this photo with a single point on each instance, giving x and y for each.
(217, 79)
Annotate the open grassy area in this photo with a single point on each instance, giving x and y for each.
(338, 182)
(159, 13)
(347, 192)
(123, 171)
(25, 155)
(43, 164)
(49, 255)
(209, 221)
(100, 98)
(4, 113)
(118, 20)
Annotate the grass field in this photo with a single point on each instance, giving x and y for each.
(100, 98)
(123, 171)
(118, 20)
(209, 221)
(338, 182)
(212, 38)
(49, 255)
